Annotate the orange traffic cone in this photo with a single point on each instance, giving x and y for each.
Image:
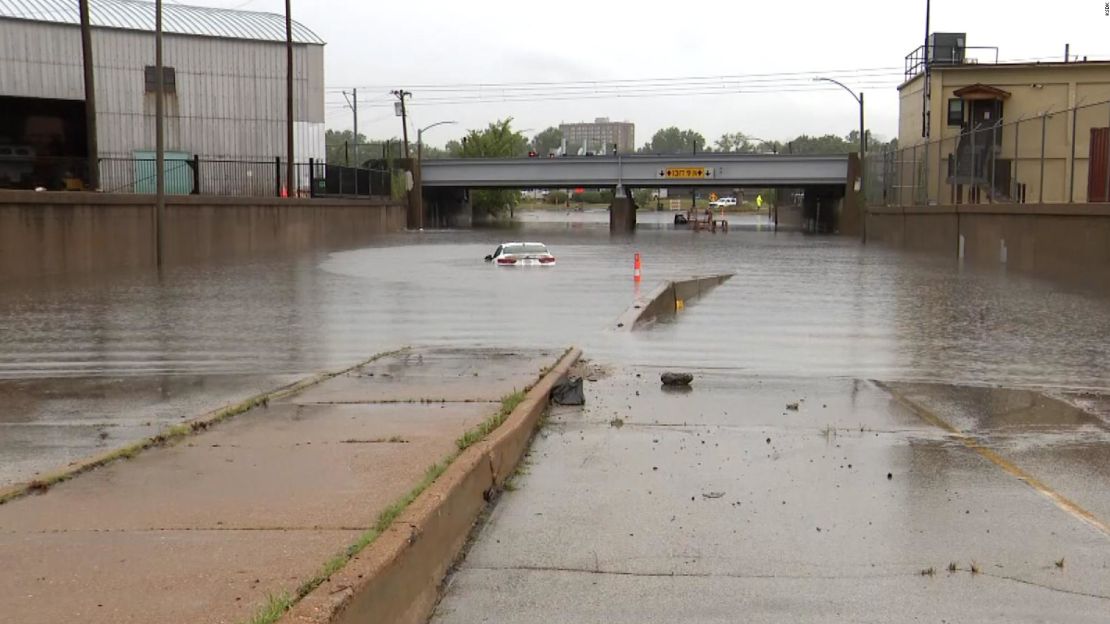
(636, 268)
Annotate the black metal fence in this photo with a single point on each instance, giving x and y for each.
(196, 176)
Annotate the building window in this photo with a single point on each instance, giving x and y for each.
(169, 79)
(955, 112)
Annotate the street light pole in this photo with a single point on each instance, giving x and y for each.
(420, 172)
(862, 149)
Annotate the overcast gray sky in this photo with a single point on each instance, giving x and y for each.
(765, 46)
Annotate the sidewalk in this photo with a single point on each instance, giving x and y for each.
(206, 530)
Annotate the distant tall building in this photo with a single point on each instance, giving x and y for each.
(600, 136)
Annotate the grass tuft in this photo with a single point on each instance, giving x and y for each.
(928, 572)
(616, 423)
(275, 607)
(1060, 563)
(974, 568)
(508, 403)
(952, 567)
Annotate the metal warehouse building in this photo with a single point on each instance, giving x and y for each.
(225, 73)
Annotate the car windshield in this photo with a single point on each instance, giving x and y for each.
(525, 248)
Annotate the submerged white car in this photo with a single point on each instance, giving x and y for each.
(521, 254)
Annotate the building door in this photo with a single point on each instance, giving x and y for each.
(1098, 169)
(986, 119)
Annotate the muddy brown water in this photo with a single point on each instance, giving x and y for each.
(797, 304)
(165, 347)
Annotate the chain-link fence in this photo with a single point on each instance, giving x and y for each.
(1058, 156)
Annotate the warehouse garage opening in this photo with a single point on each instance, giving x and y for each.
(43, 143)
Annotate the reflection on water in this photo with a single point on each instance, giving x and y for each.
(798, 305)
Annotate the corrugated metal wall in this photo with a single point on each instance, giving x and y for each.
(230, 100)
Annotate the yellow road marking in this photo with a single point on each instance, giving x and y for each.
(970, 442)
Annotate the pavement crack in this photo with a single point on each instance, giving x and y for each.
(603, 572)
(1061, 590)
(188, 529)
(403, 402)
(599, 571)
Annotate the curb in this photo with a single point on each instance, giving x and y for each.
(397, 577)
(173, 433)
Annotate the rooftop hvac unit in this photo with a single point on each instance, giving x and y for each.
(947, 48)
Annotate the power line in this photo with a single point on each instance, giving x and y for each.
(727, 90)
(586, 84)
(642, 80)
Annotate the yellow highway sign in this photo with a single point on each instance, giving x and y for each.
(686, 173)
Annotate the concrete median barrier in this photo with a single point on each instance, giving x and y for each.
(667, 298)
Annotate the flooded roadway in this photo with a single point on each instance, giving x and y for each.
(934, 417)
(91, 362)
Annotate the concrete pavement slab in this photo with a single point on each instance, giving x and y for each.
(436, 375)
(721, 505)
(132, 577)
(329, 459)
(204, 530)
(568, 597)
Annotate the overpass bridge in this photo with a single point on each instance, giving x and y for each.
(445, 182)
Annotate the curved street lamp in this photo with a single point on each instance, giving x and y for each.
(420, 135)
(858, 98)
(759, 141)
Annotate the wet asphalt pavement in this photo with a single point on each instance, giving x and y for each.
(723, 505)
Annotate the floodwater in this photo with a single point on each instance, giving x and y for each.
(798, 305)
(86, 363)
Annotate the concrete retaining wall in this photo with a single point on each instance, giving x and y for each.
(1053, 240)
(70, 233)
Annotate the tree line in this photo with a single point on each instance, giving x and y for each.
(500, 140)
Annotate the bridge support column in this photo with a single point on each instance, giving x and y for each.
(821, 209)
(446, 208)
(622, 212)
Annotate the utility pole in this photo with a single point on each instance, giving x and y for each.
(289, 97)
(694, 191)
(352, 104)
(927, 91)
(159, 144)
(401, 95)
(93, 176)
